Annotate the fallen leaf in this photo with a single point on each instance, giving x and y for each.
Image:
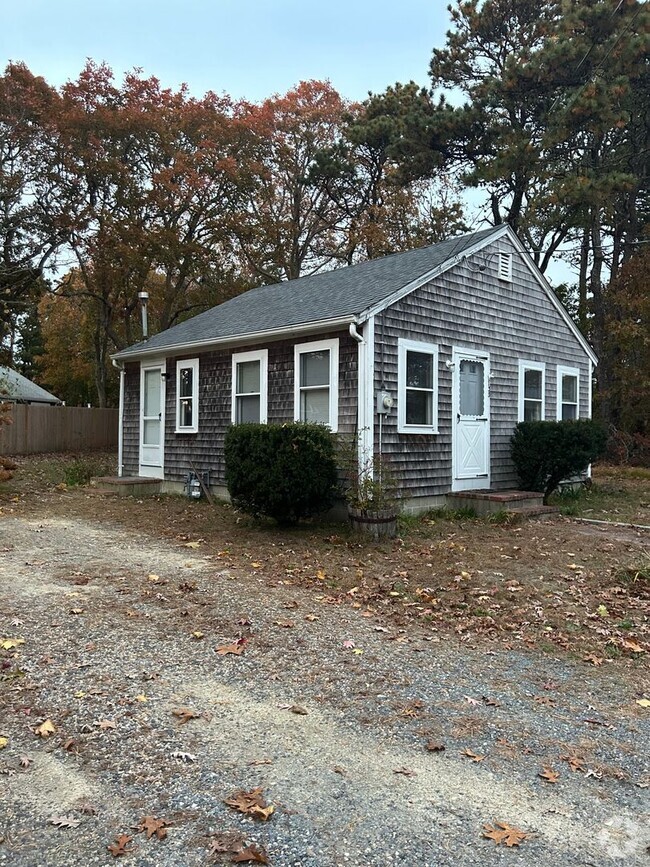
(235, 649)
(574, 762)
(593, 659)
(472, 755)
(106, 724)
(643, 702)
(256, 565)
(154, 577)
(633, 646)
(549, 775)
(119, 847)
(45, 729)
(251, 804)
(185, 714)
(320, 574)
(142, 698)
(25, 761)
(284, 624)
(87, 809)
(406, 772)
(250, 853)
(470, 700)
(10, 643)
(311, 617)
(298, 709)
(65, 821)
(257, 762)
(184, 757)
(502, 832)
(348, 643)
(192, 544)
(602, 611)
(152, 826)
(435, 747)
(197, 634)
(3, 743)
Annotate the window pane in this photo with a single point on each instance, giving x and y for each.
(419, 407)
(569, 411)
(532, 410)
(419, 370)
(151, 392)
(151, 432)
(248, 377)
(248, 409)
(315, 405)
(315, 368)
(570, 389)
(185, 382)
(533, 384)
(471, 388)
(185, 414)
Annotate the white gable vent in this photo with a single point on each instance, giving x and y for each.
(505, 266)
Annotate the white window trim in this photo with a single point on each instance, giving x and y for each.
(261, 355)
(193, 364)
(319, 346)
(504, 266)
(404, 346)
(566, 371)
(523, 367)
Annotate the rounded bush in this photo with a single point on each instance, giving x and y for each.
(285, 472)
(546, 452)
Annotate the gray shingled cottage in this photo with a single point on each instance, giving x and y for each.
(431, 356)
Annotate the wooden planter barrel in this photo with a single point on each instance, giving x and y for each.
(377, 523)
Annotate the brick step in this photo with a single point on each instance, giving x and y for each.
(126, 486)
(486, 502)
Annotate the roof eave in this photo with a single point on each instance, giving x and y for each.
(269, 335)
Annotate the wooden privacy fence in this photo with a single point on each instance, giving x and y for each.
(58, 429)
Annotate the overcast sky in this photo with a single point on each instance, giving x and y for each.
(247, 48)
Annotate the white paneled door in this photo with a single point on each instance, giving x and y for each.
(152, 420)
(471, 420)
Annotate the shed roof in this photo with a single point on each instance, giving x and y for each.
(330, 295)
(14, 386)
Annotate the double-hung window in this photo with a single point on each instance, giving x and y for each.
(568, 393)
(316, 382)
(187, 396)
(532, 386)
(249, 386)
(417, 387)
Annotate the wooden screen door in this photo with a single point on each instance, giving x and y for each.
(152, 420)
(471, 420)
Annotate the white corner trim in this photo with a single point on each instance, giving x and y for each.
(319, 346)
(403, 346)
(261, 355)
(366, 409)
(523, 367)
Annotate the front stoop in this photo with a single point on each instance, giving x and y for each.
(126, 486)
(485, 502)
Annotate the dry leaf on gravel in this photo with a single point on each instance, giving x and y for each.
(593, 659)
(45, 729)
(249, 854)
(435, 747)
(183, 757)
(235, 649)
(633, 646)
(549, 775)
(643, 702)
(574, 762)
(120, 846)
(406, 772)
(504, 833)
(251, 804)
(472, 755)
(65, 821)
(106, 724)
(11, 643)
(3, 743)
(152, 826)
(25, 761)
(185, 714)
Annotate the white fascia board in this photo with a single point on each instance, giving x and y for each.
(546, 286)
(238, 339)
(431, 275)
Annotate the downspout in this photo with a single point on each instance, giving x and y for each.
(120, 420)
(365, 392)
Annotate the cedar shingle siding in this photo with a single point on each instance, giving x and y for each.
(472, 309)
(205, 448)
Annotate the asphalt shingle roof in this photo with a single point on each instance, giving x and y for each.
(15, 386)
(328, 295)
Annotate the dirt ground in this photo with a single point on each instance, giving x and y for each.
(390, 701)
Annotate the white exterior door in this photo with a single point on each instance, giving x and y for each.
(152, 419)
(471, 420)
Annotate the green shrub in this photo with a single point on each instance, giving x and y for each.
(546, 452)
(285, 472)
(81, 470)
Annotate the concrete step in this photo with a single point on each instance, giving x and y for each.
(487, 502)
(126, 486)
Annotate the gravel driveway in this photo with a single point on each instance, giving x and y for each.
(327, 709)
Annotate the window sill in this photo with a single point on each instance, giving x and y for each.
(416, 429)
(186, 430)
